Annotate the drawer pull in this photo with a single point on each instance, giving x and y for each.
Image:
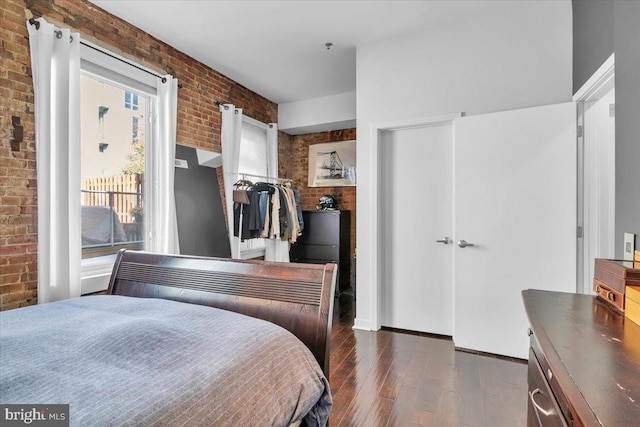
(544, 412)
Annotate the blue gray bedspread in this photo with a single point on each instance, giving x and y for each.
(136, 361)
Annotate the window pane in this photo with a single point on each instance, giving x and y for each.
(253, 151)
(112, 171)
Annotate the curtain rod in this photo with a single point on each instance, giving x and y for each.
(57, 32)
(32, 21)
(219, 103)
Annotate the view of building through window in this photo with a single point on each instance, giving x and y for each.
(112, 172)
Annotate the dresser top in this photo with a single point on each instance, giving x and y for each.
(597, 348)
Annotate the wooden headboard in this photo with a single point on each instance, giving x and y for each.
(297, 297)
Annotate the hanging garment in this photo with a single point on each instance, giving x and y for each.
(264, 213)
(293, 216)
(298, 209)
(285, 229)
(274, 232)
(249, 216)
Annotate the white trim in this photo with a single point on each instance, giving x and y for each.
(95, 273)
(419, 122)
(362, 325)
(599, 83)
(374, 236)
(117, 63)
(254, 122)
(597, 86)
(252, 253)
(101, 64)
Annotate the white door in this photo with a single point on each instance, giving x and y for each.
(515, 201)
(598, 184)
(415, 193)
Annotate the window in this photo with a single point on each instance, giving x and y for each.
(254, 163)
(253, 150)
(112, 171)
(113, 160)
(130, 100)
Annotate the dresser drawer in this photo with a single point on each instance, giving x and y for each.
(609, 294)
(300, 251)
(321, 228)
(543, 409)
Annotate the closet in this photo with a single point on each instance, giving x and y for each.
(466, 223)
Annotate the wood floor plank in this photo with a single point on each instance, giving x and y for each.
(508, 408)
(415, 372)
(379, 414)
(471, 411)
(391, 378)
(403, 411)
(448, 409)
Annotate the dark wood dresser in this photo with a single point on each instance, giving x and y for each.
(584, 362)
(326, 238)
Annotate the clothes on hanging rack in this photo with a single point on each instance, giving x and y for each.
(265, 210)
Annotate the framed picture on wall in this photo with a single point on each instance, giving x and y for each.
(332, 164)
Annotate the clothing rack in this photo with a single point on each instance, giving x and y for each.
(242, 181)
(279, 180)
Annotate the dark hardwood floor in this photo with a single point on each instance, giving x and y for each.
(390, 378)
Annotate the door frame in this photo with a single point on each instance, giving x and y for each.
(375, 202)
(599, 84)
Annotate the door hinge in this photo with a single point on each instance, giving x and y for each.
(580, 131)
(579, 232)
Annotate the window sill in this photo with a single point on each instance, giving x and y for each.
(252, 253)
(95, 273)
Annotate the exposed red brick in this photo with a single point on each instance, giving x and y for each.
(293, 156)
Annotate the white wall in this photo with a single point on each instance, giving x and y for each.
(318, 114)
(516, 55)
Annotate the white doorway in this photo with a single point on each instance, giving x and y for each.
(416, 210)
(514, 198)
(596, 172)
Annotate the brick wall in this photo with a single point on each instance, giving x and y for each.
(198, 118)
(18, 220)
(299, 167)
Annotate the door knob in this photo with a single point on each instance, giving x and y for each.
(446, 241)
(464, 244)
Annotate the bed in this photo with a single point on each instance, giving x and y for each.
(179, 340)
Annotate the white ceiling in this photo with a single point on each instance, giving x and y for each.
(277, 48)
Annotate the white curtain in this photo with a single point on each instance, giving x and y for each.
(275, 249)
(230, 138)
(160, 194)
(55, 64)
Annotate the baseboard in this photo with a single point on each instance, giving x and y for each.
(362, 324)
